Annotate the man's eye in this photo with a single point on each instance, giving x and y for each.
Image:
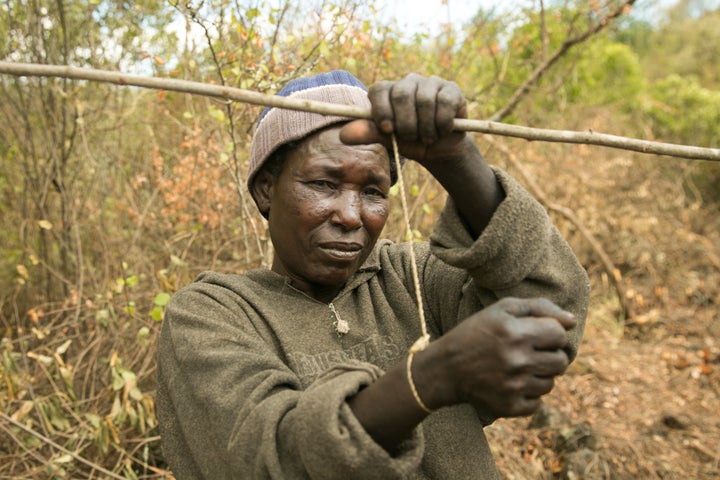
(323, 184)
(375, 192)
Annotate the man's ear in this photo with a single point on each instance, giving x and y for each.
(262, 191)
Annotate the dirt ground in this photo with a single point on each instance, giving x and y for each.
(642, 400)
(628, 408)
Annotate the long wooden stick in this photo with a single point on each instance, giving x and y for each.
(247, 96)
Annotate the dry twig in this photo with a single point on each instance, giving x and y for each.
(44, 439)
(352, 111)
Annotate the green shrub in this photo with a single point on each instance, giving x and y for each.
(680, 110)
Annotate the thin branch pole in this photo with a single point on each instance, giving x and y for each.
(589, 138)
(352, 111)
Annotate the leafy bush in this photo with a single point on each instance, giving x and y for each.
(680, 110)
(608, 72)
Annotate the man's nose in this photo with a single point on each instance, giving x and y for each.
(348, 210)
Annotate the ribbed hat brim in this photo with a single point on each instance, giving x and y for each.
(280, 126)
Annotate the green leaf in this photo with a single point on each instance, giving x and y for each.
(161, 299)
(156, 313)
(93, 419)
(252, 14)
(66, 458)
(63, 348)
(136, 394)
(118, 383)
(144, 332)
(44, 359)
(216, 113)
(45, 224)
(116, 408)
(128, 375)
(102, 317)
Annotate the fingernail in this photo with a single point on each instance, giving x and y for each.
(386, 126)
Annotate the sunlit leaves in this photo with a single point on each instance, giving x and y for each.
(684, 111)
(607, 72)
(159, 303)
(216, 113)
(23, 272)
(252, 14)
(45, 224)
(161, 299)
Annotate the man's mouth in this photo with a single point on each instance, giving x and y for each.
(342, 250)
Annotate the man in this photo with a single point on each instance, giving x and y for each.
(303, 370)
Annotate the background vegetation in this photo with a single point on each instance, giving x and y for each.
(113, 198)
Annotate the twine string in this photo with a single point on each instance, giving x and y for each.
(424, 340)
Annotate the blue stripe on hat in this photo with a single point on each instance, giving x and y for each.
(334, 77)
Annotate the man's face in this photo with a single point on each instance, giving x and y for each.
(327, 208)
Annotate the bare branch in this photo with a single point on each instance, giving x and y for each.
(543, 31)
(352, 111)
(589, 138)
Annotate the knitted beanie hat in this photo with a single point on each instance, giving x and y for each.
(278, 126)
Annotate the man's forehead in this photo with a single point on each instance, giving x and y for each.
(328, 140)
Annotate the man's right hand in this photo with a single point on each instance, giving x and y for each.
(501, 359)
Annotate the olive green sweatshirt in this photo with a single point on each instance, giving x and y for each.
(253, 377)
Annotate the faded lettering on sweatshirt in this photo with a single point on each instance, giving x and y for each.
(378, 350)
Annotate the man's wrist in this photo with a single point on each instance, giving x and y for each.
(431, 378)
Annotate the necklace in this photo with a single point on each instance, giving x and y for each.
(341, 326)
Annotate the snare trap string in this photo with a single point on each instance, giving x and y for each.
(424, 339)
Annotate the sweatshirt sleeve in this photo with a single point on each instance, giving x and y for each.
(520, 253)
(230, 408)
